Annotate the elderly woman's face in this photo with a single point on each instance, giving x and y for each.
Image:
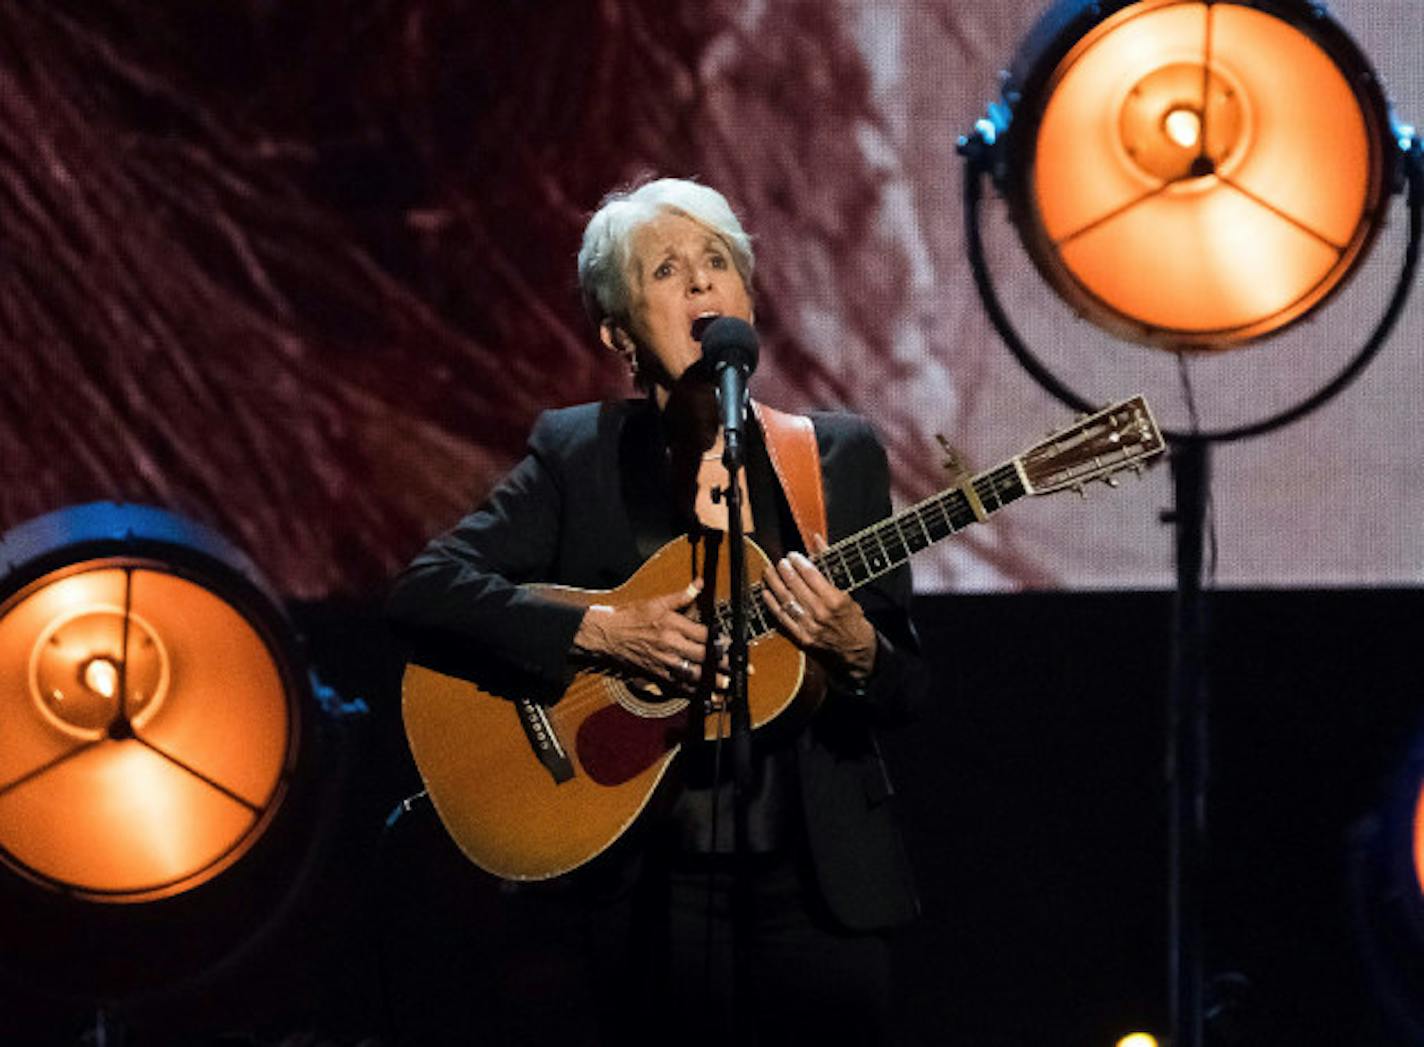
(680, 270)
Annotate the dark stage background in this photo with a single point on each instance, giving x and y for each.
(304, 273)
(1032, 799)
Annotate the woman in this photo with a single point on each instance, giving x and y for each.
(602, 488)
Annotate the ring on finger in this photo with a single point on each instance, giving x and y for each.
(685, 668)
(795, 610)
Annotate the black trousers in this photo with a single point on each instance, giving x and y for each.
(639, 954)
(685, 958)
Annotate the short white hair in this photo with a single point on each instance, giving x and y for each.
(603, 258)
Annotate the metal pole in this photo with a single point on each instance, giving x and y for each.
(1187, 750)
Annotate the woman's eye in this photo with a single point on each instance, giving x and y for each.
(663, 271)
(718, 262)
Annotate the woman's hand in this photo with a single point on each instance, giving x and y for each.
(818, 616)
(656, 637)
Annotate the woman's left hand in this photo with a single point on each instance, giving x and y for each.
(818, 616)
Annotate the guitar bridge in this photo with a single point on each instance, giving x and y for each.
(542, 739)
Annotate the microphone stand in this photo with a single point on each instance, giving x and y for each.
(729, 346)
(733, 458)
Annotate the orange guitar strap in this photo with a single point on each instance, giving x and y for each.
(791, 445)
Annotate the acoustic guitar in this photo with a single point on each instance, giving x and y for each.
(530, 790)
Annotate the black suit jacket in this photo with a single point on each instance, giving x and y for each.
(586, 507)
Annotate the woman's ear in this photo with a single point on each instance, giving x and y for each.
(619, 341)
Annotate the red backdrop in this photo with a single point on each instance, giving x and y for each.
(306, 273)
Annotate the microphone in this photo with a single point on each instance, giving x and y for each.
(730, 348)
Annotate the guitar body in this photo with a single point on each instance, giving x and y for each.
(532, 791)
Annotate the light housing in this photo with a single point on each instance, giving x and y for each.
(1387, 895)
(155, 716)
(1418, 838)
(1194, 175)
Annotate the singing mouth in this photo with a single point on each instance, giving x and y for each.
(699, 324)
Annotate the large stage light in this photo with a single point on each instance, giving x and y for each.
(149, 708)
(1419, 839)
(1195, 174)
(155, 717)
(1387, 896)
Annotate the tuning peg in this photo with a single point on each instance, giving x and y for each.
(1112, 481)
(1078, 490)
(1137, 469)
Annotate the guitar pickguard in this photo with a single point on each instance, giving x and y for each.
(614, 746)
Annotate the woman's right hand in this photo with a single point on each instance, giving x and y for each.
(656, 637)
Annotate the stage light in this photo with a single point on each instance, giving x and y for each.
(1419, 841)
(1387, 895)
(150, 719)
(159, 790)
(1194, 174)
(1138, 1039)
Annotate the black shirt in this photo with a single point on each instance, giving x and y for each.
(702, 818)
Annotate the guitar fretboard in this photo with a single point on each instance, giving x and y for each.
(882, 547)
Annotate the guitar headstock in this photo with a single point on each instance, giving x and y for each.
(1119, 437)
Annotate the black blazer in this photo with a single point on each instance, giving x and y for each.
(586, 507)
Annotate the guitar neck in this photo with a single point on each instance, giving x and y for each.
(882, 547)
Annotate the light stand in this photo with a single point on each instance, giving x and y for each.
(1188, 754)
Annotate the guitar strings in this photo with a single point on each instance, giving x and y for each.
(599, 687)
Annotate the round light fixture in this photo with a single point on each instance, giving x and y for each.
(158, 760)
(1190, 174)
(1419, 840)
(150, 720)
(1387, 895)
